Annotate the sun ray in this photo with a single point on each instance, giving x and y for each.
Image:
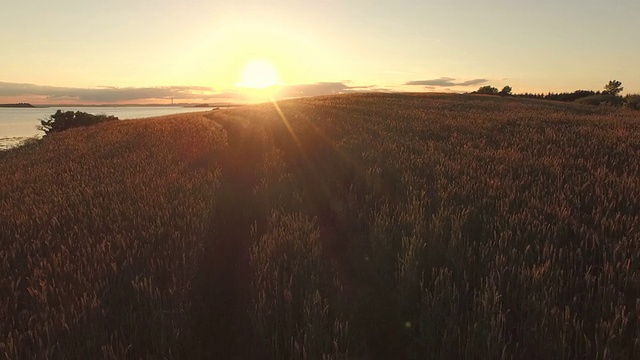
(286, 123)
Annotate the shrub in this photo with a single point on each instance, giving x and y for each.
(487, 90)
(632, 101)
(65, 120)
(506, 91)
(601, 99)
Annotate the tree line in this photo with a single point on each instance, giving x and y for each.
(609, 96)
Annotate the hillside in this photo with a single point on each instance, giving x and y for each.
(403, 226)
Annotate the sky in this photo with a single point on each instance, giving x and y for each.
(150, 51)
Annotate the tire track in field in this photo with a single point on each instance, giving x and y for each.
(221, 323)
(327, 178)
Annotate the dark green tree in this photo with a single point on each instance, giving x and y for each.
(614, 87)
(64, 120)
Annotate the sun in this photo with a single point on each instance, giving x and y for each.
(259, 74)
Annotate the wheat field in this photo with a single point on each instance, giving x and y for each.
(364, 226)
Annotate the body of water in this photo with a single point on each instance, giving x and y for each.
(18, 124)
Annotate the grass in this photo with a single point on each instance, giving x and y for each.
(358, 226)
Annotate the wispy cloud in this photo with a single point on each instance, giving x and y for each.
(446, 81)
(108, 94)
(112, 94)
(321, 88)
(472, 82)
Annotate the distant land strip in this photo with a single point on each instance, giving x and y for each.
(18, 105)
(27, 105)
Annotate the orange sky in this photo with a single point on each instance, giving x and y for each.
(141, 51)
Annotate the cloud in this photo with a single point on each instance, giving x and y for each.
(107, 94)
(111, 94)
(472, 82)
(443, 81)
(446, 81)
(321, 88)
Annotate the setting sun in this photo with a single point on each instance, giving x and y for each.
(259, 74)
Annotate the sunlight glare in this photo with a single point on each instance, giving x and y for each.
(259, 74)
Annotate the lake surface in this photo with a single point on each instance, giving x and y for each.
(17, 124)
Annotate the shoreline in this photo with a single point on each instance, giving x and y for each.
(17, 124)
(8, 143)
